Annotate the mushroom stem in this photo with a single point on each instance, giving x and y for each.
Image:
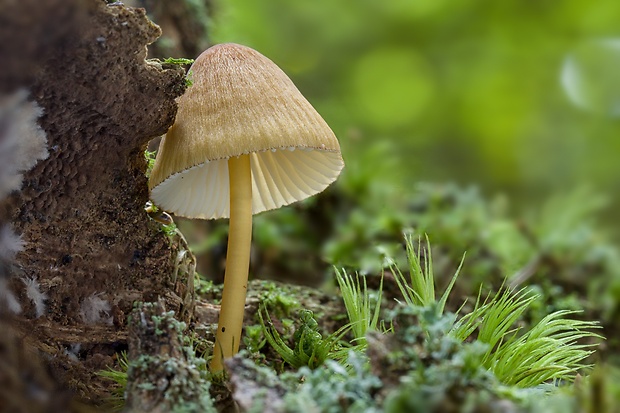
(232, 309)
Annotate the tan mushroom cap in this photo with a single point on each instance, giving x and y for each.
(242, 103)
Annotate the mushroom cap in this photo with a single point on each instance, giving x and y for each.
(241, 103)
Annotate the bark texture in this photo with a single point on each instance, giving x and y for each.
(89, 247)
(185, 25)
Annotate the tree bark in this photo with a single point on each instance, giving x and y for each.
(88, 246)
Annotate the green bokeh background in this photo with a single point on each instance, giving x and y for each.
(519, 97)
(489, 125)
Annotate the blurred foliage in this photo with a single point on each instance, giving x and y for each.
(562, 251)
(520, 98)
(517, 96)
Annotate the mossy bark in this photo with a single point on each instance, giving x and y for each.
(80, 212)
(163, 375)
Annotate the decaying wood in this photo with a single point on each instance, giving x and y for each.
(89, 247)
(26, 384)
(185, 26)
(81, 211)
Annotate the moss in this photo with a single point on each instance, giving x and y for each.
(164, 369)
(177, 61)
(182, 384)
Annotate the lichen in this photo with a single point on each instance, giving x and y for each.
(95, 310)
(10, 243)
(22, 141)
(33, 292)
(169, 373)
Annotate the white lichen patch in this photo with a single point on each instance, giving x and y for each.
(33, 292)
(10, 243)
(22, 141)
(96, 310)
(73, 352)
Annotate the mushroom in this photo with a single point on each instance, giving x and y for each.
(244, 141)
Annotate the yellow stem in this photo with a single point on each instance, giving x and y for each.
(230, 322)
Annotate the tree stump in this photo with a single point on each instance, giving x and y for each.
(87, 247)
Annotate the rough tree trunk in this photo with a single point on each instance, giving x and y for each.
(88, 244)
(184, 23)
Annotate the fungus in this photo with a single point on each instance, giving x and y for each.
(33, 292)
(95, 309)
(244, 141)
